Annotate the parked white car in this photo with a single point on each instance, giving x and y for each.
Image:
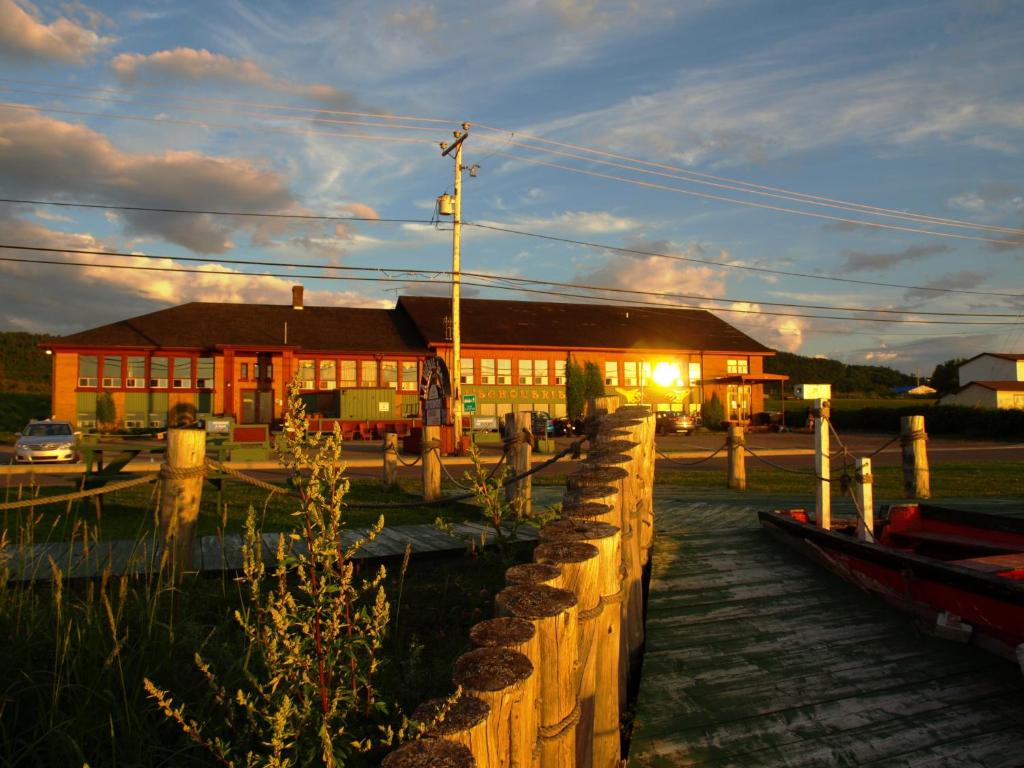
(43, 441)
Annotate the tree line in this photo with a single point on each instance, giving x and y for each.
(24, 367)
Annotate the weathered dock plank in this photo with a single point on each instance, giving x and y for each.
(757, 657)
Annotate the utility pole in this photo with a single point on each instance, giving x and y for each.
(456, 367)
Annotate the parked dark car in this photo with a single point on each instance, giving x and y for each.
(673, 422)
(563, 427)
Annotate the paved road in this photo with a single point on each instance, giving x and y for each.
(789, 449)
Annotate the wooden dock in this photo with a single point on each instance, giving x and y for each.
(757, 657)
(215, 553)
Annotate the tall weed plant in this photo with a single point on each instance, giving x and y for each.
(311, 633)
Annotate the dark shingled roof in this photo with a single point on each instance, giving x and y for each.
(201, 325)
(418, 321)
(598, 326)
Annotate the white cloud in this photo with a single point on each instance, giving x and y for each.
(199, 65)
(584, 222)
(23, 35)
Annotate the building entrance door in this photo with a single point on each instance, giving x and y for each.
(257, 406)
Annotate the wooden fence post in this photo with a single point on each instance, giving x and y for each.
(555, 615)
(534, 574)
(822, 465)
(518, 427)
(916, 478)
(430, 753)
(181, 491)
(431, 453)
(390, 459)
(581, 563)
(599, 704)
(737, 464)
(517, 635)
(865, 501)
(465, 722)
(498, 677)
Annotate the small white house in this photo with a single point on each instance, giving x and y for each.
(992, 366)
(990, 380)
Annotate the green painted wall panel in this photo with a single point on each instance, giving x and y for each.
(365, 404)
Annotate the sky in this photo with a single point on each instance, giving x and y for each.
(837, 179)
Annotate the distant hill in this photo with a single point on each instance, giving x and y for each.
(23, 366)
(845, 379)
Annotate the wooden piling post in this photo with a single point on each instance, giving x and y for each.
(430, 753)
(390, 459)
(580, 562)
(534, 574)
(431, 453)
(599, 703)
(737, 463)
(865, 500)
(465, 722)
(822, 465)
(498, 677)
(913, 438)
(519, 428)
(555, 615)
(517, 635)
(181, 491)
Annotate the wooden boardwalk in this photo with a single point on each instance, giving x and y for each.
(214, 553)
(758, 657)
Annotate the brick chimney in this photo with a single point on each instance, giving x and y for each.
(296, 297)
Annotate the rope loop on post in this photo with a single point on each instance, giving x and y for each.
(552, 732)
(592, 613)
(167, 472)
(919, 434)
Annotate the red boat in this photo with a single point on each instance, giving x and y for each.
(960, 572)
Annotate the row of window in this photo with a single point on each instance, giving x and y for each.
(346, 374)
(489, 370)
(140, 372)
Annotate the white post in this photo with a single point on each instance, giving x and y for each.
(865, 501)
(822, 465)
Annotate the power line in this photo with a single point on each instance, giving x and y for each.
(719, 265)
(497, 286)
(207, 124)
(592, 154)
(521, 233)
(763, 206)
(738, 185)
(507, 278)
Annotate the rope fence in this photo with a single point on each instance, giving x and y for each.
(669, 459)
(39, 501)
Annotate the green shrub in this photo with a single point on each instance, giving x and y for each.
(712, 412)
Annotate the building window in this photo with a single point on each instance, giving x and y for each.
(307, 374)
(87, 370)
(466, 366)
(540, 373)
(737, 366)
(243, 371)
(348, 373)
(504, 371)
(559, 410)
(86, 420)
(368, 374)
(327, 378)
(158, 367)
(485, 409)
(389, 374)
(487, 371)
(526, 372)
(134, 420)
(629, 373)
(559, 371)
(135, 375)
(410, 377)
(693, 373)
(204, 373)
(182, 373)
(158, 420)
(112, 372)
(645, 374)
(611, 373)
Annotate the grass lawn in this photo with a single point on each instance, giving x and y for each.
(851, 403)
